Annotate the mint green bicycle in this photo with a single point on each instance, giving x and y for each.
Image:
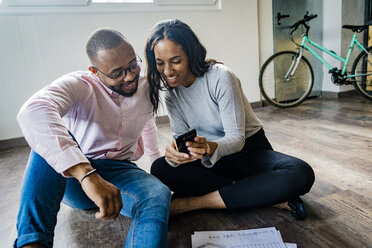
(286, 78)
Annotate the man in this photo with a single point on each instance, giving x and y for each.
(84, 129)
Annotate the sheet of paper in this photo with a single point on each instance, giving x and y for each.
(253, 238)
(290, 245)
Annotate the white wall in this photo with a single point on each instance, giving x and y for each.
(265, 29)
(333, 38)
(36, 49)
(332, 22)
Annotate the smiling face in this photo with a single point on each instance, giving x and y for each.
(173, 64)
(111, 62)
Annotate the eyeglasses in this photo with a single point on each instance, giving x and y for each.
(119, 75)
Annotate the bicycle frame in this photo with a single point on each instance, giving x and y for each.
(298, 81)
(306, 41)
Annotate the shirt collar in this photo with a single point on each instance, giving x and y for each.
(107, 89)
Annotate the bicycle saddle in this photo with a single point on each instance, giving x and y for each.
(356, 28)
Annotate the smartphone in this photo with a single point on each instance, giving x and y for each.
(181, 140)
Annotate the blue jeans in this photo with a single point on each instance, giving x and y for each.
(145, 200)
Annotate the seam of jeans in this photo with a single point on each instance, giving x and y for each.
(135, 216)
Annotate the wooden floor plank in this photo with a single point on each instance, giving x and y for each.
(333, 136)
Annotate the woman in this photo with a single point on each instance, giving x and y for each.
(230, 164)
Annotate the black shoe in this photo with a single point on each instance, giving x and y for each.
(298, 208)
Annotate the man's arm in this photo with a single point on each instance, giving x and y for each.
(40, 119)
(104, 194)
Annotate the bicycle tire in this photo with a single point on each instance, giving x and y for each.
(276, 90)
(360, 67)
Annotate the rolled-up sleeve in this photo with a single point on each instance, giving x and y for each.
(151, 141)
(40, 120)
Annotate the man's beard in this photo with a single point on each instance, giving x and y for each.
(123, 93)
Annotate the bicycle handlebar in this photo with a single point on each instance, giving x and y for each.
(303, 21)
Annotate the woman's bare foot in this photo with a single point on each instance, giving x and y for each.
(179, 205)
(283, 205)
(210, 200)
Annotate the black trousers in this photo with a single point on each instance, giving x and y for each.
(254, 177)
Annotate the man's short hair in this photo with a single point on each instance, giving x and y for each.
(103, 39)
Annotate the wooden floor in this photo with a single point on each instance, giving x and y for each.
(334, 136)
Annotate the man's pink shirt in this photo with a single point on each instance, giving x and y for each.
(106, 125)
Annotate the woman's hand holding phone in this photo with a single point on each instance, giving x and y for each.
(199, 148)
(173, 155)
(187, 148)
(177, 152)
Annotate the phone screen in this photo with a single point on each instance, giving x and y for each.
(181, 140)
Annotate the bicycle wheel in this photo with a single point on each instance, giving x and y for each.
(362, 66)
(285, 92)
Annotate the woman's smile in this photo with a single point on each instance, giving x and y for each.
(173, 64)
(171, 80)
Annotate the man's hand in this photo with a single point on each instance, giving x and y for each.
(104, 194)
